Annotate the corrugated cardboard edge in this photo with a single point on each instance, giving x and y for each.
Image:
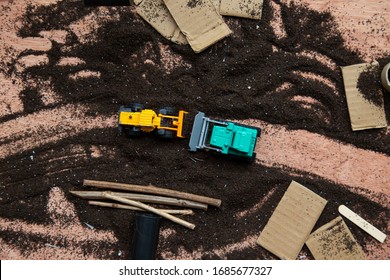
(201, 24)
(245, 8)
(158, 16)
(334, 241)
(209, 38)
(217, 4)
(363, 114)
(292, 221)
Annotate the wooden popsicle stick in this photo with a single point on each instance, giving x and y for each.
(363, 224)
(150, 209)
(128, 207)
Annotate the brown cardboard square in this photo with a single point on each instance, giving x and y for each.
(292, 221)
(243, 8)
(334, 241)
(158, 16)
(199, 21)
(363, 114)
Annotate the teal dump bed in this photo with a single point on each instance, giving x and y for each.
(234, 139)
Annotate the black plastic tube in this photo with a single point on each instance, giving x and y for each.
(385, 77)
(145, 238)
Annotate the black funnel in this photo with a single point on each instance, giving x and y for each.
(145, 238)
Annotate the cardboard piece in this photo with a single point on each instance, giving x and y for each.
(199, 21)
(362, 223)
(243, 8)
(217, 4)
(158, 16)
(334, 241)
(363, 114)
(292, 221)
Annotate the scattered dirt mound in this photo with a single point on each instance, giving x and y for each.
(370, 85)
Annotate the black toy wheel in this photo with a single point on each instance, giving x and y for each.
(166, 134)
(169, 111)
(136, 107)
(249, 159)
(124, 109)
(258, 132)
(253, 158)
(120, 129)
(132, 131)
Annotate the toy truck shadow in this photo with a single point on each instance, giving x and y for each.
(223, 137)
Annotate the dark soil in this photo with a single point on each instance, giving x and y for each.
(31, 100)
(369, 84)
(194, 3)
(235, 78)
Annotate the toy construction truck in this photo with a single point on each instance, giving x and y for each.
(223, 137)
(167, 123)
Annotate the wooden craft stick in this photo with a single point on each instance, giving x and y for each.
(149, 208)
(363, 224)
(144, 198)
(128, 207)
(153, 190)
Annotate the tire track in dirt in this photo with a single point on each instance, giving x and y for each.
(47, 126)
(28, 43)
(44, 167)
(313, 153)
